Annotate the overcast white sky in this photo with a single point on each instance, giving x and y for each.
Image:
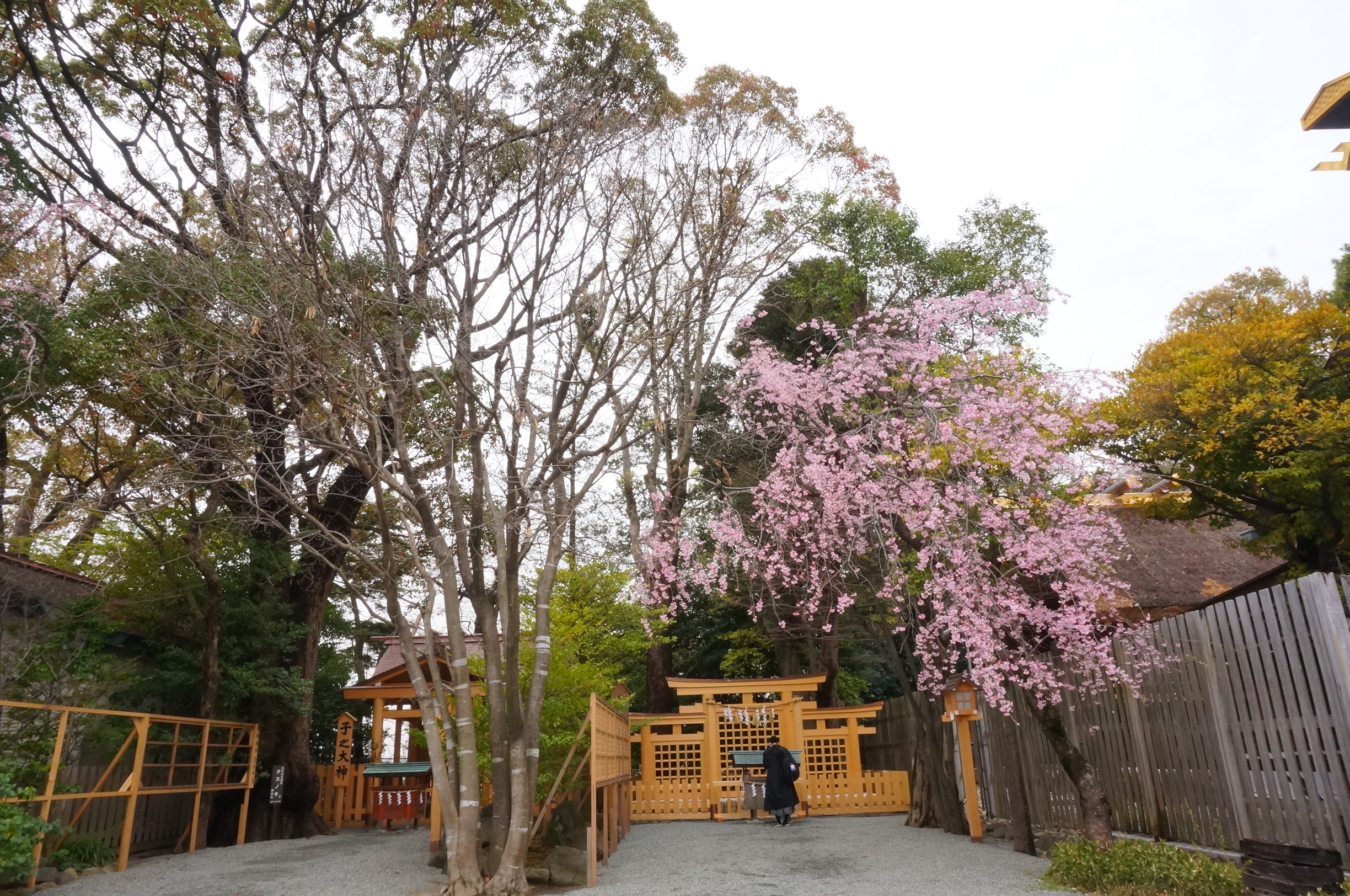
(1159, 140)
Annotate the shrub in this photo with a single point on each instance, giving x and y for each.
(1141, 868)
(83, 852)
(20, 830)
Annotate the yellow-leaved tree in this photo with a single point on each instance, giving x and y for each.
(1244, 400)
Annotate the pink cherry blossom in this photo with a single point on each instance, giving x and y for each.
(929, 460)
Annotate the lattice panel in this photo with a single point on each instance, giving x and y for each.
(611, 752)
(677, 761)
(742, 733)
(826, 756)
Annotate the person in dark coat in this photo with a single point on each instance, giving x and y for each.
(780, 794)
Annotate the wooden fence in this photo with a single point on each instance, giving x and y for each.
(1245, 732)
(346, 804)
(154, 781)
(611, 769)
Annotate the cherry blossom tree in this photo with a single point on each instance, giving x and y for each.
(927, 460)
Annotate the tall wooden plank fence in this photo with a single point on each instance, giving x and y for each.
(1245, 732)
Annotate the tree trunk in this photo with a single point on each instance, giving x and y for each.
(1023, 836)
(660, 666)
(307, 593)
(1092, 800)
(827, 694)
(933, 775)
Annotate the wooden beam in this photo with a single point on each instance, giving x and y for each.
(133, 793)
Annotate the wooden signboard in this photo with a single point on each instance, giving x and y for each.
(342, 758)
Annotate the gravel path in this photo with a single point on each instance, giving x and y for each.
(839, 856)
(355, 862)
(813, 857)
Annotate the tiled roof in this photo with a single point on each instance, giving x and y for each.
(392, 658)
(30, 588)
(1182, 564)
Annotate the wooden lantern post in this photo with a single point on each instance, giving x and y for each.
(959, 701)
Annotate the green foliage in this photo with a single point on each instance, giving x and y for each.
(1247, 399)
(159, 593)
(63, 658)
(596, 623)
(699, 632)
(336, 670)
(875, 258)
(850, 688)
(750, 656)
(83, 852)
(1340, 284)
(1141, 868)
(20, 830)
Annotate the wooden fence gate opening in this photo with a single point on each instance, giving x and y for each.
(1245, 733)
(160, 756)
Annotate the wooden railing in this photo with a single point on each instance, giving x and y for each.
(669, 799)
(346, 804)
(856, 795)
(160, 755)
(674, 799)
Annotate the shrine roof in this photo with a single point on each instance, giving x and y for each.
(696, 686)
(1331, 107)
(394, 769)
(392, 658)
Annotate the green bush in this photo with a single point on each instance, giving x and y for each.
(1141, 868)
(82, 852)
(20, 830)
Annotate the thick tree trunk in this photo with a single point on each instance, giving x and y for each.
(307, 593)
(660, 666)
(933, 777)
(827, 661)
(1092, 800)
(1023, 837)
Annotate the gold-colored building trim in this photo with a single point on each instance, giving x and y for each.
(1331, 107)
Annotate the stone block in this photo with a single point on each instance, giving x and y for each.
(68, 876)
(537, 875)
(46, 874)
(567, 867)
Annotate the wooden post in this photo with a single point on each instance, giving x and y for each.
(435, 819)
(712, 756)
(133, 792)
(968, 777)
(248, 790)
(647, 753)
(790, 731)
(591, 872)
(201, 779)
(606, 817)
(377, 731)
(52, 771)
(852, 751)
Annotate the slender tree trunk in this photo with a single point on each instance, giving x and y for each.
(1092, 800)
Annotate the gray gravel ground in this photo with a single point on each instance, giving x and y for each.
(840, 856)
(355, 862)
(813, 857)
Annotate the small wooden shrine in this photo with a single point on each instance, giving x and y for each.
(688, 760)
(396, 784)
